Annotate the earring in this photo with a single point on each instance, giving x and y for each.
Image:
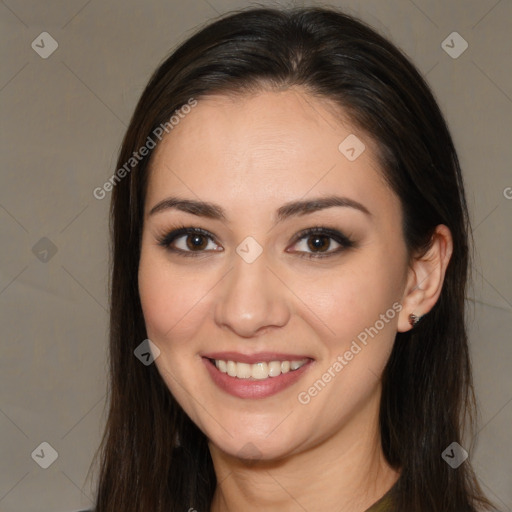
(413, 320)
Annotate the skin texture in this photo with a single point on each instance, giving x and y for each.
(250, 155)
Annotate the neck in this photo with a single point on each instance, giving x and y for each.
(346, 471)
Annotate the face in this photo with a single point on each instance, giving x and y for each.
(274, 311)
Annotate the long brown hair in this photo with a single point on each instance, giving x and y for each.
(427, 395)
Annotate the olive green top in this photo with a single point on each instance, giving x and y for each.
(384, 504)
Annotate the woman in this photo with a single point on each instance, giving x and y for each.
(290, 231)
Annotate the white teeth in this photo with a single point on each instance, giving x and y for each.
(274, 369)
(295, 365)
(243, 370)
(258, 371)
(231, 368)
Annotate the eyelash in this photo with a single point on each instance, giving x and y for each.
(345, 242)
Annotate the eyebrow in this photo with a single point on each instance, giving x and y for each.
(292, 209)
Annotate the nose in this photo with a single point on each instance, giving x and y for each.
(252, 299)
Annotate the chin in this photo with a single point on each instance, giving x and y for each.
(250, 443)
(255, 449)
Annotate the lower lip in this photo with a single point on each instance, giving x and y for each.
(248, 388)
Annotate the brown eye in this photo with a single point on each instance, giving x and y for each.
(196, 241)
(319, 243)
(189, 241)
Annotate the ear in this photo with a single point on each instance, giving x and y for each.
(425, 278)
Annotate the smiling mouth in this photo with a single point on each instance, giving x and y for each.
(257, 371)
(256, 376)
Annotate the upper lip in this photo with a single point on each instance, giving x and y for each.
(259, 357)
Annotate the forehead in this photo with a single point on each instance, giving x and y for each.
(269, 146)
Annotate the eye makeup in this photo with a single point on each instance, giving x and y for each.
(194, 238)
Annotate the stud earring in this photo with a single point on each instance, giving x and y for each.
(413, 319)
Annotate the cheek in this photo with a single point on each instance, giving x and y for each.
(358, 304)
(351, 299)
(171, 300)
(359, 309)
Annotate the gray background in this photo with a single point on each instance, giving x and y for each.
(63, 118)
